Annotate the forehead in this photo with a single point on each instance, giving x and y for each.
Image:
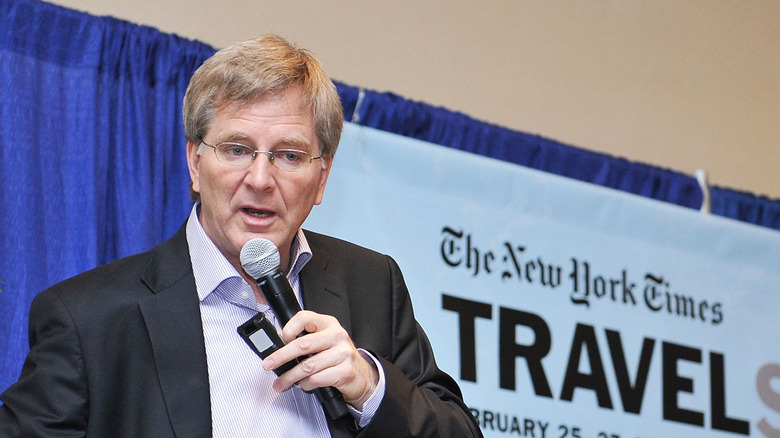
(279, 118)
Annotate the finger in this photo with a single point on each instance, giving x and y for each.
(349, 372)
(319, 351)
(334, 339)
(329, 376)
(310, 373)
(309, 322)
(355, 379)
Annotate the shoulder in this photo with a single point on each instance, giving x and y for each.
(125, 279)
(317, 240)
(332, 250)
(361, 271)
(118, 274)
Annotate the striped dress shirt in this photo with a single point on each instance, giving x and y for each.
(243, 402)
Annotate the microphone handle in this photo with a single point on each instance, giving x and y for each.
(279, 295)
(281, 298)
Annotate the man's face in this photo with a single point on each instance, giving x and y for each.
(260, 200)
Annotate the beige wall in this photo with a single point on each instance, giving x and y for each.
(679, 84)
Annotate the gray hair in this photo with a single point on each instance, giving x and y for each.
(242, 73)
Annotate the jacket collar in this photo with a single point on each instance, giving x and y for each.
(321, 291)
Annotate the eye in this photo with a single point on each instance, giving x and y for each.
(288, 156)
(235, 150)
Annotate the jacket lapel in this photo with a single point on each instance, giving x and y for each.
(172, 317)
(323, 292)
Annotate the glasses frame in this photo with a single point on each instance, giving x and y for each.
(255, 153)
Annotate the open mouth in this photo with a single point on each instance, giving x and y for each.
(257, 213)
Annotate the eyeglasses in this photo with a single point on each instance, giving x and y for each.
(241, 155)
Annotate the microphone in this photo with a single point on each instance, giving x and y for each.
(261, 260)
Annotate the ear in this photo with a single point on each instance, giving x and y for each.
(324, 172)
(193, 162)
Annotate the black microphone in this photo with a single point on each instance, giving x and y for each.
(260, 259)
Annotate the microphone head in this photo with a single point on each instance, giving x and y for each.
(260, 257)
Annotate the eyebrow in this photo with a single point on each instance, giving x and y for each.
(290, 142)
(296, 142)
(236, 136)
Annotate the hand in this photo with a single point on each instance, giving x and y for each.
(335, 361)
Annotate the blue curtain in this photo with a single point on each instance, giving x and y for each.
(93, 166)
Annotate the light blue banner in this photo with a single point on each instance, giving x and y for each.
(566, 309)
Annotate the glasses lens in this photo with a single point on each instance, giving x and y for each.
(234, 154)
(290, 160)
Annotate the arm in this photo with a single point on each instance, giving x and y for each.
(366, 292)
(50, 397)
(420, 399)
(426, 403)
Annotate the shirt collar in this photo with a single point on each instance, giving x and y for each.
(210, 267)
(301, 254)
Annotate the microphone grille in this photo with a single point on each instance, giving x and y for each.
(260, 257)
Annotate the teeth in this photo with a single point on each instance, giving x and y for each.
(257, 213)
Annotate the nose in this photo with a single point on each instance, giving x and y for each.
(261, 173)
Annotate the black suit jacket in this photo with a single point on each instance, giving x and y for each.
(119, 351)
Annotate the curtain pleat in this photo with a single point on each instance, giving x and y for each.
(91, 149)
(746, 207)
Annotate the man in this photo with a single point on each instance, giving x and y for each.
(147, 346)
